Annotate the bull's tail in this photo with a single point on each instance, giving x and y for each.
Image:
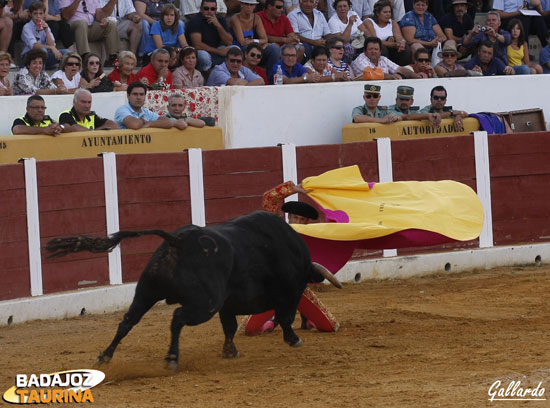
(63, 246)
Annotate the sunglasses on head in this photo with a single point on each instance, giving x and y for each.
(209, 8)
(423, 60)
(235, 60)
(254, 55)
(439, 98)
(369, 96)
(73, 64)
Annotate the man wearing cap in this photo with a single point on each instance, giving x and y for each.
(403, 102)
(458, 23)
(298, 213)
(370, 112)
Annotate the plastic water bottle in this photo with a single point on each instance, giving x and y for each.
(278, 80)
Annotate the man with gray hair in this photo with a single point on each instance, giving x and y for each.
(490, 32)
(156, 74)
(175, 111)
(81, 117)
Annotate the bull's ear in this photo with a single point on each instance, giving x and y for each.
(208, 244)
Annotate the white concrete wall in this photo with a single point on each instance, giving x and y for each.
(315, 113)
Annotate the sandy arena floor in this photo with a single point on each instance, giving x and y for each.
(438, 341)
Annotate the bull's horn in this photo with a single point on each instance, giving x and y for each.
(325, 273)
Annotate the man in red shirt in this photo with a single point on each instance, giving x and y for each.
(277, 26)
(156, 74)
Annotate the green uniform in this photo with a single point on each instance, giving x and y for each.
(27, 121)
(394, 110)
(381, 112)
(429, 109)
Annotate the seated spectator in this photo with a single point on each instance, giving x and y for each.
(186, 75)
(403, 105)
(35, 121)
(173, 62)
(37, 34)
(175, 112)
(293, 71)
(448, 67)
(5, 62)
(420, 28)
(92, 76)
(81, 117)
(134, 116)
(32, 79)
(513, 9)
(422, 66)
(518, 51)
(347, 24)
(363, 8)
(335, 47)
(68, 74)
(310, 25)
(370, 112)
(252, 58)
(169, 30)
(381, 25)
(232, 71)
(123, 73)
(490, 32)
(190, 8)
(248, 28)
(397, 8)
(128, 23)
(149, 12)
(318, 68)
(90, 22)
(209, 35)
(61, 30)
(544, 57)
(486, 62)
(372, 58)
(156, 74)
(457, 24)
(438, 98)
(278, 28)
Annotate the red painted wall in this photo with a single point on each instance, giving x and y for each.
(153, 192)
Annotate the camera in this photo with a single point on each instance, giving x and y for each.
(483, 29)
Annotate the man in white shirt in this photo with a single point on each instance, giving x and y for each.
(372, 57)
(310, 25)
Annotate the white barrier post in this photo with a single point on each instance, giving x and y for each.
(33, 227)
(483, 185)
(385, 173)
(111, 213)
(196, 187)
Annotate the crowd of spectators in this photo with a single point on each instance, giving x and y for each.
(300, 41)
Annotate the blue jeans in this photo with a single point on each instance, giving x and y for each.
(51, 61)
(146, 38)
(522, 69)
(205, 60)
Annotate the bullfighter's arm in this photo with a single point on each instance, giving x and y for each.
(273, 199)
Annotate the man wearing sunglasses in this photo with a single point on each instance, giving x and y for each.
(232, 71)
(277, 26)
(370, 112)
(89, 22)
(438, 98)
(35, 121)
(422, 66)
(210, 35)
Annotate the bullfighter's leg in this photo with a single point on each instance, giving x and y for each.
(175, 328)
(285, 316)
(229, 324)
(140, 305)
(317, 313)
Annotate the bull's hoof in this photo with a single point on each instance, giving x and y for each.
(231, 355)
(230, 351)
(297, 343)
(102, 359)
(171, 365)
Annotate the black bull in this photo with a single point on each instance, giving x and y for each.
(248, 265)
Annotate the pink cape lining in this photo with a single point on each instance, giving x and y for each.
(333, 255)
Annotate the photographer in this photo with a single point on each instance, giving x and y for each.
(492, 32)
